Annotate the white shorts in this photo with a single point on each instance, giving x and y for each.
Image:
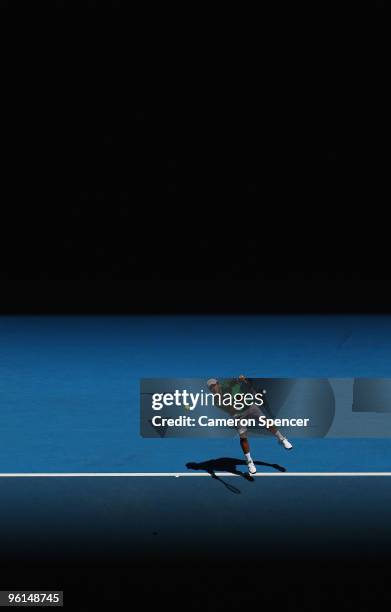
(253, 412)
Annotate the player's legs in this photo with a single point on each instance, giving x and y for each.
(254, 411)
(244, 443)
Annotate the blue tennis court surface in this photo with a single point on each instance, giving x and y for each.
(70, 387)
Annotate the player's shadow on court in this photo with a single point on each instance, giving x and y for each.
(227, 464)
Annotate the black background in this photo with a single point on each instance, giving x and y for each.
(136, 179)
(243, 172)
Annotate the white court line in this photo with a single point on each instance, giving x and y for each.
(180, 474)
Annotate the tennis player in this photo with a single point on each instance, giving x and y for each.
(233, 387)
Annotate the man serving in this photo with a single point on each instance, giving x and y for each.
(232, 387)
